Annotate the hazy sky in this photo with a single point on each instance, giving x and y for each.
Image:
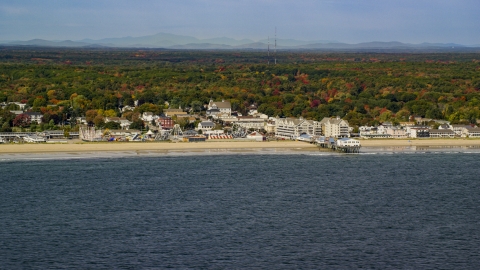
(351, 21)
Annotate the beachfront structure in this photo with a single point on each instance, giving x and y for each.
(396, 133)
(348, 142)
(335, 127)
(217, 107)
(441, 133)
(205, 126)
(419, 132)
(256, 136)
(474, 133)
(249, 122)
(34, 139)
(291, 128)
(270, 127)
(461, 130)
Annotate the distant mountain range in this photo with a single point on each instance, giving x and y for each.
(179, 42)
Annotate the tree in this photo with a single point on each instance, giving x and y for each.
(137, 124)
(196, 106)
(6, 127)
(112, 125)
(21, 120)
(99, 121)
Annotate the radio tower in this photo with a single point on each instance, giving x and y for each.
(275, 45)
(268, 51)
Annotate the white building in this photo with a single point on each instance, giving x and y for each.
(148, 116)
(442, 133)
(205, 126)
(335, 127)
(249, 122)
(348, 142)
(256, 136)
(474, 133)
(35, 117)
(216, 107)
(291, 128)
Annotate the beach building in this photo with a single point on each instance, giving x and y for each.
(396, 133)
(419, 132)
(219, 107)
(474, 133)
(270, 127)
(205, 126)
(461, 130)
(256, 136)
(348, 142)
(249, 122)
(335, 127)
(291, 128)
(305, 138)
(441, 133)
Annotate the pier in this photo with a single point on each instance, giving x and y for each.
(344, 145)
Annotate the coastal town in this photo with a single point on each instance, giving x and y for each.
(216, 121)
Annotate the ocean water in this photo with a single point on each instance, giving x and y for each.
(242, 211)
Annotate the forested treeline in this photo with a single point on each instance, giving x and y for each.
(362, 88)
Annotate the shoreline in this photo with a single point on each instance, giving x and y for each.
(225, 146)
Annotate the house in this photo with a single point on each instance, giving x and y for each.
(148, 116)
(173, 112)
(165, 122)
(335, 127)
(81, 120)
(396, 133)
(124, 122)
(16, 112)
(190, 133)
(461, 130)
(189, 118)
(205, 126)
(442, 133)
(291, 128)
(216, 107)
(445, 126)
(270, 127)
(407, 124)
(249, 122)
(419, 132)
(35, 117)
(473, 133)
(127, 108)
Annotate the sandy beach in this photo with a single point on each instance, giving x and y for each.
(219, 145)
(148, 146)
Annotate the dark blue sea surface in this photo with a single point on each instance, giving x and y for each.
(382, 211)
